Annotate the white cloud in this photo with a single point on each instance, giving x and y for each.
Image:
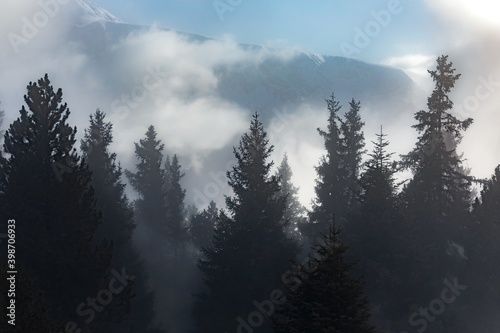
(414, 65)
(471, 31)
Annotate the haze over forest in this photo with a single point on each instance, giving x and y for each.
(174, 170)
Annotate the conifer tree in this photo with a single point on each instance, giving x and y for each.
(174, 201)
(375, 231)
(202, 226)
(250, 249)
(483, 241)
(117, 215)
(437, 199)
(2, 131)
(438, 188)
(378, 185)
(159, 212)
(149, 182)
(328, 298)
(352, 147)
(49, 194)
(331, 200)
(487, 210)
(2, 161)
(294, 211)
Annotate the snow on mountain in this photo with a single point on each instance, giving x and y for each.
(91, 13)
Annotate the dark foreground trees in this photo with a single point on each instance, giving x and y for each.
(328, 298)
(162, 230)
(436, 201)
(48, 192)
(118, 222)
(250, 249)
(294, 213)
(338, 171)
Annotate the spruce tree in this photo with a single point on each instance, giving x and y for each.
(117, 215)
(148, 181)
(331, 199)
(160, 230)
(378, 185)
(2, 162)
(483, 241)
(48, 192)
(437, 198)
(2, 131)
(438, 188)
(328, 298)
(294, 211)
(375, 231)
(174, 201)
(487, 210)
(202, 226)
(352, 147)
(250, 249)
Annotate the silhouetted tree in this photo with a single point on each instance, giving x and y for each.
(117, 215)
(328, 298)
(149, 181)
(49, 194)
(437, 198)
(159, 212)
(438, 188)
(250, 249)
(375, 232)
(202, 226)
(174, 201)
(331, 199)
(352, 147)
(294, 212)
(483, 241)
(2, 162)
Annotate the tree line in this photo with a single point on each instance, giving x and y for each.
(373, 254)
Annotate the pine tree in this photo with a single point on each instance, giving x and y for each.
(294, 211)
(331, 200)
(352, 147)
(117, 215)
(174, 201)
(378, 185)
(49, 195)
(202, 226)
(376, 233)
(487, 210)
(250, 249)
(159, 212)
(437, 198)
(2, 162)
(328, 298)
(438, 188)
(2, 131)
(483, 241)
(149, 182)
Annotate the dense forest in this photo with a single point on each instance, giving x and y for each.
(374, 254)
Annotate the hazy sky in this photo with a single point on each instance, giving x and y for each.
(318, 26)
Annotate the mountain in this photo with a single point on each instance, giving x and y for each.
(277, 83)
(209, 88)
(89, 13)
